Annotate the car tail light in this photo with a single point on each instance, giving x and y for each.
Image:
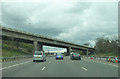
(73, 55)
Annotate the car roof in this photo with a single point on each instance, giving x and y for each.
(58, 53)
(39, 51)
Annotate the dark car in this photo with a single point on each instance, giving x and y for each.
(59, 56)
(75, 56)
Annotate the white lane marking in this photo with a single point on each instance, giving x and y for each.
(3, 68)
(42, 68)
(104, 63)
(107, 64)
(113, 65)
(85, 69)
(14, 65)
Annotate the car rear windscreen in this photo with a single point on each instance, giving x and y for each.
(76, 53)
(58, 54)
(38, 53)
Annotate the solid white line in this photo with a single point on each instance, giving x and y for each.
(42, 68)
(113, 65)
(105, 63)
(14, 65)
(85, 69)
(3, 68)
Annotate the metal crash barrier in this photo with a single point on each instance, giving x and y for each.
(3, 59)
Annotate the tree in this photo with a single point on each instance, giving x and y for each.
(106, 45)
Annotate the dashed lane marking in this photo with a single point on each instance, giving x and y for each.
(85, 69)
(42, 68)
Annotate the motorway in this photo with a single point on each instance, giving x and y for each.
(58, 68)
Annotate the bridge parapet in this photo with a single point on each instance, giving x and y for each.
(9, 32)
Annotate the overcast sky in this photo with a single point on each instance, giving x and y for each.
(77, 22)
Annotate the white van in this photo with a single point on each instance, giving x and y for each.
(39, 56)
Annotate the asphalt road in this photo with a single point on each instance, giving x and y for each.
(58, 68)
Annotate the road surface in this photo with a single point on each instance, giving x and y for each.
(58, 68)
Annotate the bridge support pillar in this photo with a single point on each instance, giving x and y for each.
(87, 52)
(37, 46)
(68, 50)
(40, 46)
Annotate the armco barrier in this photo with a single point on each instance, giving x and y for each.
(14, 58)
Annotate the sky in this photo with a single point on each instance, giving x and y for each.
(77, 22)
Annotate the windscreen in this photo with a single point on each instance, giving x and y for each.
(58, 54)
(76, 53)
(38, 53)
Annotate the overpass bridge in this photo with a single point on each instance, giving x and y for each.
(38, 40)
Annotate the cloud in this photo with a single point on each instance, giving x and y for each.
(97, 20)
(77, 22)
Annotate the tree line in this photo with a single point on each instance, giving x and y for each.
(106, 45)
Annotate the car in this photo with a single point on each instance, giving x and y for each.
(59, 56)
(74, 56)
(39, 56)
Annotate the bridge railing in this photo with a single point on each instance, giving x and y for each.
(14, 58)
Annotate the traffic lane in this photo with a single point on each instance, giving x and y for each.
(42, 70)
(100, 70)
(77, 68)
(9, 63)
(96, 69)
(65, 68)
(31, 69)
(53, 68)
(103, 61)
